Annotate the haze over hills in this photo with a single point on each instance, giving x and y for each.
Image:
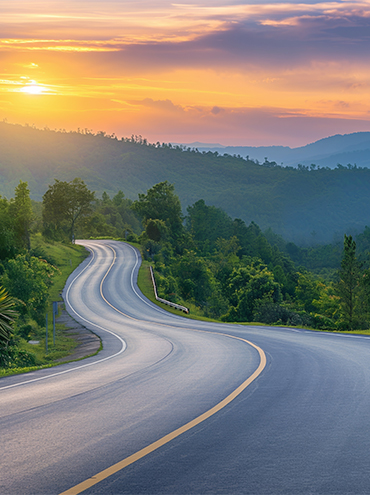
(328, 152)
(302, 205)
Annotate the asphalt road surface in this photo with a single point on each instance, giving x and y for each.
(177, 406)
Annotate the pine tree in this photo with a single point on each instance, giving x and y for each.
(348, 287)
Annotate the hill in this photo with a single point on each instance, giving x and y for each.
(328, 152)
(302, 205)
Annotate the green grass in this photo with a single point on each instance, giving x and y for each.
(19, 371)
(144, 282)
(67, 257)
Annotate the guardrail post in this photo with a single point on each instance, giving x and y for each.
(55, 312)
(46, 334)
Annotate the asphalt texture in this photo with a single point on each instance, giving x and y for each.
(301, 427)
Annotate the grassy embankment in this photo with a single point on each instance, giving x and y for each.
(66, 258)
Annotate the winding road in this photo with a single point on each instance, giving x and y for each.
(178, 406)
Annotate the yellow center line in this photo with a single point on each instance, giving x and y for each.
(84, 485)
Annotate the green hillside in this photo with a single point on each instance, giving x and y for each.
(302, 205)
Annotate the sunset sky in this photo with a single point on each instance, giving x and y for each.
(216, 71)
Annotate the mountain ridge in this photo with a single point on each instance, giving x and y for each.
(302, 205)
(325, 152)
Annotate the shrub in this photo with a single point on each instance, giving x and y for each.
(274, 313)
(13, 357)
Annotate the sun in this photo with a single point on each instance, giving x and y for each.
(33, 89)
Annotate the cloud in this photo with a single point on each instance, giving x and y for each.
(216, 110)
(210, 33)
(163, 105)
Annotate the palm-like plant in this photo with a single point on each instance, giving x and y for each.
(7, 315)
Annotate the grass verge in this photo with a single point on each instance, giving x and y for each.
(66, 257)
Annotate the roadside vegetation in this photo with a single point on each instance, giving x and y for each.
(58, 260)
(220, 268)
(225, 270)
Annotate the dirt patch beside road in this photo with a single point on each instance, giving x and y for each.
(87, 342)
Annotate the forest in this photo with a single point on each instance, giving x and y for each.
(219, 267)
(305, 204)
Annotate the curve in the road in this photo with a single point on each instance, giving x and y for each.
(303, 427)
(123, 343)
(97, 478)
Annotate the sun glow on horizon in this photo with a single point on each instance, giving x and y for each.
(34, 89)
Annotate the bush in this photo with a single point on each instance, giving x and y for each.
(13, 357)
(274, 313)
(28, 279)
(39, 252)
(323, 322)
(132, 237)
(28, 330)
(25, 331)
(167, 287)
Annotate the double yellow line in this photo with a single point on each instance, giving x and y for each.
(179, 431)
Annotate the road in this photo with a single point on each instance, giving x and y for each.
(178, 406)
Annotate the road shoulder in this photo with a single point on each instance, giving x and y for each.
(88, 343)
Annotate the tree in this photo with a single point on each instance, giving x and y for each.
(7, 241)
(64, 204)
(249, 288)
(348, 287)
(195, 279)
(20, 210)
(197, 284)
(7, 315)
(155, 229)
(161, 203)
(207, 224)
(307, 291)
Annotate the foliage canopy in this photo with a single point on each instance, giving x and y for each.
(64, 204)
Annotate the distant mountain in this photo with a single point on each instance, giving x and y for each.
(328, 152)
(196, 144)
(302, 205)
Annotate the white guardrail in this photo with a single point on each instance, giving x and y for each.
(169, 303)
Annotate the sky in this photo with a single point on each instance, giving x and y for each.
(232, 72)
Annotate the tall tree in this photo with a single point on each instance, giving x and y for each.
(161, 203)
(348, 287)
(207, 224)
(64, 204)
(20, 211)
(7, 242)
